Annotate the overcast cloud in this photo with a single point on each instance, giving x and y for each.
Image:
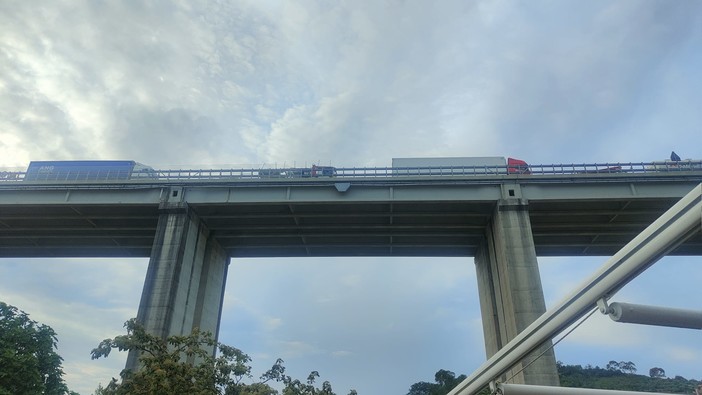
(251, 82)
(349, 83)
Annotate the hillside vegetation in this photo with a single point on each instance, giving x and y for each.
(614, 376)
(622, 376)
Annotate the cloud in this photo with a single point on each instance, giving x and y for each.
(684, 355)
(596, 69)
(600, 331)
(296, 348)
(245, 83)
(273, 323)
(90, 77)
(180, 129)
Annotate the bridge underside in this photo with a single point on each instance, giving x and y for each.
(400, 228)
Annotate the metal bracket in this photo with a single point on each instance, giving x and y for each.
(494, 388)
(603, 306)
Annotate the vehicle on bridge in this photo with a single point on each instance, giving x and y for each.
(9, 175)
(298, 172)
(676, 163)
(484, 165)
(88, 170)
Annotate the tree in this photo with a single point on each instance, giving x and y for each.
(29, 363)
(445, 381)
(164, 366)
(444, 378)
(422, 388)
(656, 373)
(297, 387)
(622, 366)
(182, 365)
(627, 367)
(614, 366)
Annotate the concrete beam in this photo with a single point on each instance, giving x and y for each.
(509, 286)
(184, 286)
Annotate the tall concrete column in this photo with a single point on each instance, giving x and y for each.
(184, 286)
(511, 296)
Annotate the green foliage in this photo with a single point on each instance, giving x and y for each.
(656, 373)
(164, 366)
(445, 381)
(615, 376)
(619, 376)
(29, 363)
(296, 387)
(182, 365)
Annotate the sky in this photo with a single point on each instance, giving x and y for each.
(218, 84)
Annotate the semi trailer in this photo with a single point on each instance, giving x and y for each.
(479, 165)
(87, 170)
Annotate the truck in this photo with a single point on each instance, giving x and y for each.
(297, 172)
(87, 170)
(484, 165)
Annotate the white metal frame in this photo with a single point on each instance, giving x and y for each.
(654, 315)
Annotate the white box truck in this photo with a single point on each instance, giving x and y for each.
(481, 165)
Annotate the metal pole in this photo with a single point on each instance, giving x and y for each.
(655, 315)
(672, 228)
(522, 389)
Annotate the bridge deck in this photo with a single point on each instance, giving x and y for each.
(585, 214)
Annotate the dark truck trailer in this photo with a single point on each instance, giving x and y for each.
(87, 170)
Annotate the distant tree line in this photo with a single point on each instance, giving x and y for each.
(622, 376)
(614, 376)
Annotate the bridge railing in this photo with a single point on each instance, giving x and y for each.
(373, 172)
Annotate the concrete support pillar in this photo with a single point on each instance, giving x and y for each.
(509, 285)
(184, 286)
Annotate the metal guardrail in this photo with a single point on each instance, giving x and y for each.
(369, 172)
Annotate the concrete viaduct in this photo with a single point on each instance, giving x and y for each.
(192, 224)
